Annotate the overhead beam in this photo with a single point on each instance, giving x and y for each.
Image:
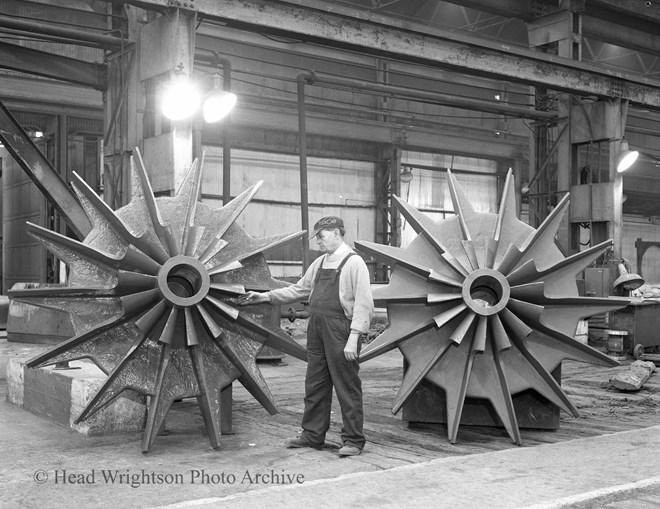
(401, 39)
(45, 96)
(629, 24)
(50, 65)
(67, 34)
(371, 131)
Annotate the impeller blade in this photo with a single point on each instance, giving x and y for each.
(251, 377)
(219, 269)
(159, 405)
(229, 213)
(173, 381)
(228, 288)
(266, 244)
(499, 335)
(399, 331)
(425, 226)
(227, 310)
(531, 369)
(71, 348)
(536, 245)
(167, 335)
(456, 400)
(190, 190)
(129, 282)
(207, 374)
(417, 371)
(535, 293)
(406, 286)
(462, 206)
(149, 247)
(134, 371)
(195, 235)
(393, 256)
(191, 332)
(142, 193)
(471, 254)
(463, 327)
(502, 401)
(98, 266)
(533, 316)
(436, 298)
(451, 313)
(274, 338)
(506, 217)
(212, 250)
(559, 278)
(103, 344)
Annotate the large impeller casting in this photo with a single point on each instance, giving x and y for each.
(152, 296)
(484, 306)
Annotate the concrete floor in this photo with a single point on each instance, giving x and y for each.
(583, 464)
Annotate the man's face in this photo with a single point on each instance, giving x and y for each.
(328, 240)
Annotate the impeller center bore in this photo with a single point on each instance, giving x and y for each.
(486, 291)
(184, 281)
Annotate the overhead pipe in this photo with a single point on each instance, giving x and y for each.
(467, 103)
(77, 36)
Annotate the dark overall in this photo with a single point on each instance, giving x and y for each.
(327, 334)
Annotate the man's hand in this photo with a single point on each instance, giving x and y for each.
(253, 298)
(351, 348)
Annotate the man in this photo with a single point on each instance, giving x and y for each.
(340, 309)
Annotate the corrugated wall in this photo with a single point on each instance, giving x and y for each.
(24, 259)
(428, 191)
(336, 187)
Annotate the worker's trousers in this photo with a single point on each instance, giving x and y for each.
(327, 366)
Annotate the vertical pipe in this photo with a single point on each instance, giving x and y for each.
(226, 137)
(302, 147)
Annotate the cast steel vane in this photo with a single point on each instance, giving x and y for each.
(152, 296)
(484, 306)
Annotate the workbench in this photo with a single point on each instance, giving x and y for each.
(641, 319)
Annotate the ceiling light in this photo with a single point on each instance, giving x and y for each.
(217, 103)
(406, 175)
(180, 98)
(626, 157)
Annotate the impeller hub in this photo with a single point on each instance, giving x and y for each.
(486, 291)
(183, 281)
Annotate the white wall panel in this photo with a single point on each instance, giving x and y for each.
(635, 227)
(335, 187)
(429, 189)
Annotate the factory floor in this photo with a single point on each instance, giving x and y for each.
(609, 457)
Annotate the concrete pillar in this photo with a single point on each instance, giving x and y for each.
(133, 119)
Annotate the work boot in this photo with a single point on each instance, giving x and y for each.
(301, 442)
(349, 450)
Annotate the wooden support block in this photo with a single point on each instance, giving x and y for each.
(633, 379)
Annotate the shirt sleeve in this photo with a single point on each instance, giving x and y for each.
(298, 291)
(363, 303)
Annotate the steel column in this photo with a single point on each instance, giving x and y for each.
(302, 146)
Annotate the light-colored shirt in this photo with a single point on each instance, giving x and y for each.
(354, 287)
